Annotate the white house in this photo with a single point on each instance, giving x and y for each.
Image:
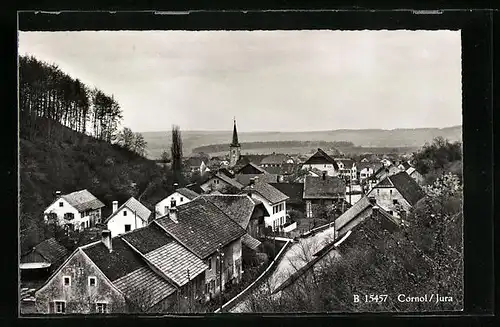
(323, 162)
(274, 201)
(218, 182)
(180, 196)
(347, 168)
(77, 210)
(129, 216)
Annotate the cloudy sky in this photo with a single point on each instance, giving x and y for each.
(269, 80)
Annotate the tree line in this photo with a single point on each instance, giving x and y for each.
(274, 144)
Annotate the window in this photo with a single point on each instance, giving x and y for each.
(101, 307)
(395, 201)
(182, 199)
(166, 209)
(60, 306)
(67, 281)
(390, 212)
(61, 204)
(127, 228)
(209, 263)
(124, 212)
(216, 181)
(378, 191)
(390, 192)
(69, 216)
(92, 281)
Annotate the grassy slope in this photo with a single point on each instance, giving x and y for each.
(157, 141)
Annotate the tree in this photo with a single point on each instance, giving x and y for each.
(126, 139)
(176, 152)
(165, 156)
(140, 144)
(437, 156)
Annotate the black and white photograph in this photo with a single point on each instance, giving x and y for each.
(167, 172)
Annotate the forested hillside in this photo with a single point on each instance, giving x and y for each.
(66, 130)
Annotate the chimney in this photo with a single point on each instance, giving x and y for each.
(176, 186)
(372, 200)
(106, 239)
(115, 206)
(58, 194)
(172, 213)
(324, 175)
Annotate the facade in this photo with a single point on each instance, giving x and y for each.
(347, 168)
(234, 148)
(274, 201)
(77, 210)
(276, 160)
(220, 182)
(129, 216)
(323, 162)
(180, 196)
(397, 194)
(324, 190)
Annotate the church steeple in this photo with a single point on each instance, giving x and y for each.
(235, 142)
(234, 148)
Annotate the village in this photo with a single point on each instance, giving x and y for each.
(208, 245)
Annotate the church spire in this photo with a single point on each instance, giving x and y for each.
(235, 142)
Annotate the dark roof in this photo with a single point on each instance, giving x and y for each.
(117, 263)
(351, 213)
(190, 194)
(228, 180)
(373, 165)
(51, 250)
(267, 191)
(346, 161)
(202, 227)
(244, 179)
(148, 238)
(226, 172)
(135, 206)
(83, 200)
(235, 136)
(294, 191)
(195, 161)
(250, 168)
(327, 188)
(321, 157)
(244, 159)
(195, 188)
(406, 165)
(409, 189)
(238, 207)
(250, 242)
(275, 158)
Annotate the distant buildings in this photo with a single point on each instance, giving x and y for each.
(323, 162)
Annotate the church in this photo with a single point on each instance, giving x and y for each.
(234, 148)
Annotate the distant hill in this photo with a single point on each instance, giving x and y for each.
(374, 138)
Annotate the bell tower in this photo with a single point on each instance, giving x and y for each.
(234, 148)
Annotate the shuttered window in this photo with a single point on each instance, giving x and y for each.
(59, 307)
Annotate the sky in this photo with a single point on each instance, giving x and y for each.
(269, 80)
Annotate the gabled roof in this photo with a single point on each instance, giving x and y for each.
(321, 157)
(373, 165)
(251, 167)
(135, 206)
(409, 189)
(405, 165)
(328, 188)
(147, 239)
(189, 194)
(237, 207)
(51, 250)
(294, 191)
(201, 227)
(83, 200)
(346, 161)
(228, 180)
(250, 242)
(267, 191)
(275, 158)
(352, 212)
(244, 179)
(195, 188)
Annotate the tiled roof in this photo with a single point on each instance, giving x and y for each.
(238, 207)
(251, 167)
(321, 157)
(244, 179)
(202, 227)
(346, 161)
(273, 170)
(144, 287)
(117, 263)
(195, 188)
(319, 188)
(51, 250)
(190, 194)
(406, 165)
(267, 191)
(373, 165)
(294, 191)
(83, 200)
(229, 181)
(148, 238)
(352, 212)
(135, 206)
(250, 242)
(407, 186)
(275, 158)
(175, 261)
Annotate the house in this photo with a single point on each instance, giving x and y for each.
(107, 276)
(42, 259)
(220, 182)
(275, 160)
(415, 175)
(386, 162)
(322, 190)
(76, 211)
(366, 169)
(180, 196)
(129, 216)
(206, 231)
(294, 191)
(347, 168)
(380, 174)
(283, 171)
(245, 179)
(397, 194)
(404, 166)
(196, 164)
(323, 162)
(250, 168)
(245, 211)
(195, 188)
(273, 200)
(353, 193)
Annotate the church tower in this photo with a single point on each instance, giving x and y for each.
(234, 148)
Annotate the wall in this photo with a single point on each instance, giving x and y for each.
(268, 220)
(179, 199)
(79, 296)
(60, 211)
(385, 197)
(117, 224)
(213, 185)
(329, 168)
